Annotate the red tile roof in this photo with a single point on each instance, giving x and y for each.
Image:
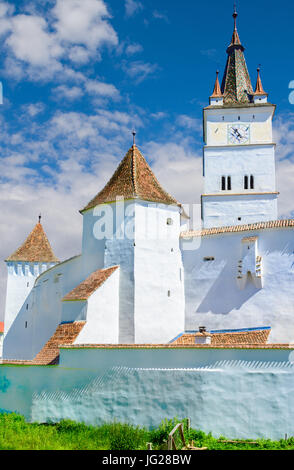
(284, 223)
(66, 333)
(259, 88)
(36, 248)
(217, 90)
(1, 327)
(86, 288)
(230, 338)
(133, 179)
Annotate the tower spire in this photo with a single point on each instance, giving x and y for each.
(259, 88)
(217, 90)
(236, 85)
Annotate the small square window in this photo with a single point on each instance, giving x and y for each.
(169, 221)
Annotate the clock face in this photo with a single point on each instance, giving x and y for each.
(238, 133)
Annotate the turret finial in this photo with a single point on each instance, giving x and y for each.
(235, 16)
(134, 137)
(40, 217)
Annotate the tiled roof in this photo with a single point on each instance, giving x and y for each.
(231, 338)
(1, 327)
(259, 88)
(133, 179)
(217, 90)
(36, 248)
(86, 288)
(236, 84)
(284, 223)
(66, 333)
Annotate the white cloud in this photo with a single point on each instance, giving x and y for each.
(160, 16)
(72, 30)
(80, 55)
(189, 123)
(30, 41)
(70, 93)
(100, 88)
(132, 49)
(158, 115)
(84, 22)
(34, 109)
(139, 70)
(132, 7)
(178, 169)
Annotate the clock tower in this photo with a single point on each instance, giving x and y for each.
(239, 153)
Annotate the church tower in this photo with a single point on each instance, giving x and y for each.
(32, 258)
(239, 153)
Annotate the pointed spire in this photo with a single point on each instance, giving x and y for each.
(236, 85)
(36, 248)
(217, 90)
(235, 38)
(133, 179)
(134, 138)
(259, 88)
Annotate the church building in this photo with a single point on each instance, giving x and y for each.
(142, 276)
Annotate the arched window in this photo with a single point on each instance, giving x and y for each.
(246, 182)
(251, 182)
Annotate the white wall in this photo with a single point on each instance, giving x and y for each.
(238, 161)
(102, 314)
(214, 299)
(35, 324)
(20, 281)
(226, 210)
(159, 278)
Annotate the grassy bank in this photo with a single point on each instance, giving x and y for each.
(17, 434)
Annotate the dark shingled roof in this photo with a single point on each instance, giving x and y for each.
(133, 179)
(36, 248)
(86, 288)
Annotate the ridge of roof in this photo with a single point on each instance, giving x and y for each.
(133, 179)
(36, 248)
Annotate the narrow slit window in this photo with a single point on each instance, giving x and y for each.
(223, 183)
(246, 182)
(251, 182)
(229, 183)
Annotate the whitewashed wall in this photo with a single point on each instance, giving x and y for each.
(227, 210)
(214, 299)
(33, 326)
(159, 277)
(102, 326)
(237, 393)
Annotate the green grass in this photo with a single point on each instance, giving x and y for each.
(17, 434)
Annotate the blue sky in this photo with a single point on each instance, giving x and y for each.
(79, 75)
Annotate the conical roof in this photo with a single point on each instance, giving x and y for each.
(259, 88)
(217, 90)
(133, 179)
(36, 248)
(236, 84)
